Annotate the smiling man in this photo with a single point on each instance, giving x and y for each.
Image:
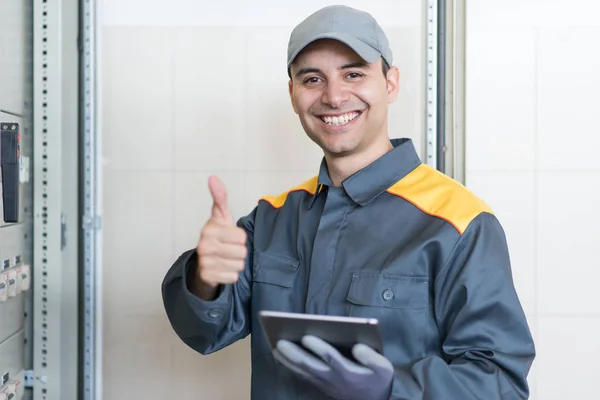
(342, 101)
(375, 234)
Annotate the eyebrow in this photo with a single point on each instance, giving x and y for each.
(309, 70)
(357, 64)
(304, 71)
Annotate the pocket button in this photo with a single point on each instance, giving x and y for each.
(388, 295)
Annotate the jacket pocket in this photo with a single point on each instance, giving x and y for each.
(390, 291)
(273, 280)
(400, 304)
(274, 269)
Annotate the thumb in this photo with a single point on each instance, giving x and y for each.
(220, 207)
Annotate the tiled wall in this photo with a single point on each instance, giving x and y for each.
(189, 89)
(532, 154)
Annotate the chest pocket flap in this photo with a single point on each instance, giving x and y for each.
(391, 291)
(274, 269)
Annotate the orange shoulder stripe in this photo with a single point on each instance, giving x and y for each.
(309, 186)
(440, 196)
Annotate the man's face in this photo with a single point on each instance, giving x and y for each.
(342, 102)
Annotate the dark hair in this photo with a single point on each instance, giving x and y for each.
(385, 67)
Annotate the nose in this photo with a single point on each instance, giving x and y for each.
(335, 94)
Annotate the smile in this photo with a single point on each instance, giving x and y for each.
(339, 120)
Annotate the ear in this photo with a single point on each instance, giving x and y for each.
(291, 90)
(393, 83)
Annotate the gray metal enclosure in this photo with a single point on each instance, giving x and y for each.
(40, 221)
(16, 107)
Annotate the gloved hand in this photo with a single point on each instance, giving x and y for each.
(334, 374)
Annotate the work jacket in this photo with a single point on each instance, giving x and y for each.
(397, 241)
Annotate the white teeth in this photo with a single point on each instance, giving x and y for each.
(340, 120)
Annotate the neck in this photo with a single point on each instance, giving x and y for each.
(341, 167)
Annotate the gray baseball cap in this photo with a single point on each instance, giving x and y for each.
(355, 28)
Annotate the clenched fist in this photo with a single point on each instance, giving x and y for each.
(222, 247)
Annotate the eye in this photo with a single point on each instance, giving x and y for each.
(355, 75)
(312, 80)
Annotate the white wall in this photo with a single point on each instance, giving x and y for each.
(191, 88)
(532, 145)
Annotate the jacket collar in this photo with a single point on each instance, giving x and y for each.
(368, 183)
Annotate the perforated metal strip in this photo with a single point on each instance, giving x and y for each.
(431, 83)
(91, 220)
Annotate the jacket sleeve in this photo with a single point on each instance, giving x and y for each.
(208, 326)
(487, 347)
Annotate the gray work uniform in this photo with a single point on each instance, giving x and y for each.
(398, 241)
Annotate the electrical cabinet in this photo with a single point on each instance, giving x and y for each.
(15, 143)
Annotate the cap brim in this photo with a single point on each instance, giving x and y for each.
(364, 51)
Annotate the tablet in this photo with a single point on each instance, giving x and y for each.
(341, 332)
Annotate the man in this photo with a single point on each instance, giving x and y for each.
(376, 234)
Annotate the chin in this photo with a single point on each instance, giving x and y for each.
(338, 149)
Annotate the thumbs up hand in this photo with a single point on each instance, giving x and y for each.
(222, 247)
(220, 209)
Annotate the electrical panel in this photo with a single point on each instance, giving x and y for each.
(15, 272)
(15, 258)
(40, 47)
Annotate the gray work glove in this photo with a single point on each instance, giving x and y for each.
(334, 374)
